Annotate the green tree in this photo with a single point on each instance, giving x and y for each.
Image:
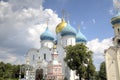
(97, 76)
(8, 71)
(77, 57)
(102, 72)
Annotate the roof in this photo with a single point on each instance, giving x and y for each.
(47, 35)
(68, 30)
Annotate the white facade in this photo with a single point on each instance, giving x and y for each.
(39, 59)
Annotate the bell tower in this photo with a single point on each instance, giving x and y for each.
(116, 26)
(112, 54)
(115, 21)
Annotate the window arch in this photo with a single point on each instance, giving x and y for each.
(118, 42)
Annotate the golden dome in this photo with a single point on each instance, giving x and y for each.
(60, 26)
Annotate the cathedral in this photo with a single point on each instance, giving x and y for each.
(48, 62)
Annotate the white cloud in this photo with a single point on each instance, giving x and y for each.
(98, 48)
(6, 55)
(21, 23)
(94, 21)
(111, 11)
(82, 22)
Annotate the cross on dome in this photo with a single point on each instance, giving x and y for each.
(116, 4)
(47, 34)
(78, 27)
(80, 37)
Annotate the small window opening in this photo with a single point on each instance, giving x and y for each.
(118, 42)
(33, 57)
(44, 56)
(118, 30)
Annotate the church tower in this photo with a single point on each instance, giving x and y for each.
(112, 55)
(55, 67)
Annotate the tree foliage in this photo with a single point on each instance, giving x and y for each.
(77, 57)
(102, 72)
(8, 71)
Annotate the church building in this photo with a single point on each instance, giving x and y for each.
(48, 61)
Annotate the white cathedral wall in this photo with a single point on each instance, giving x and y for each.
(61, 54)
(65, 41)
(47, 43)
(45, 51)
(32, 56)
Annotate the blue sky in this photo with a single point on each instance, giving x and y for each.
(23, 21)
(94, 13)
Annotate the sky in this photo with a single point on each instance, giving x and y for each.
(23, 21)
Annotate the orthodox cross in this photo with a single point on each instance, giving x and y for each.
(116, 4)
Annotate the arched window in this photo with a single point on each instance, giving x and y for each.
(44, 56)
(33, 57)
(118, 30)
(118, 42)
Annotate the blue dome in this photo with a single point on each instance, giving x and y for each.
(80, 37)
(68, 30)
(116, 19)
(47, 35)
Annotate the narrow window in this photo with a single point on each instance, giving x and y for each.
(71, 41)
(118, 30)
(66, 42)
(33, 57)
(118, 42)
(44, 56)
(49, 49)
